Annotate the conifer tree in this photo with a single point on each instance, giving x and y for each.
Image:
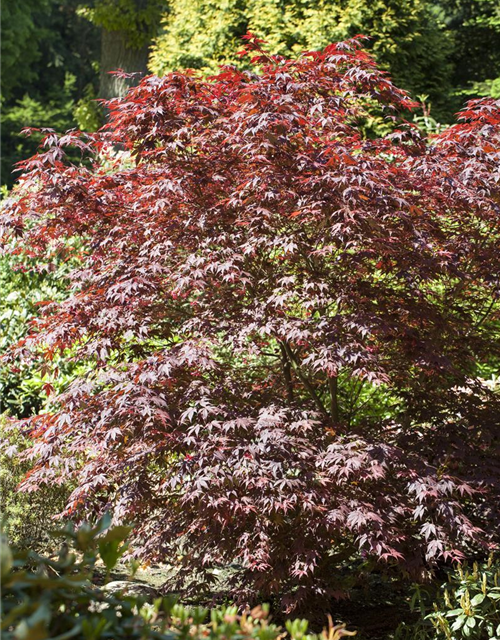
(406, 37)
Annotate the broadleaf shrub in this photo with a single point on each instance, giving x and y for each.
(467, 605)
(26, 285)
(16, 311)
(286, 323)
(27, 518)
(49, 597)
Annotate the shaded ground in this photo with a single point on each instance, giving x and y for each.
(374, 611)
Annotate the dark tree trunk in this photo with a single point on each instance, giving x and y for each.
(115, 54)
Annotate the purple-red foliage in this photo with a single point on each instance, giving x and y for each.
(286, 319)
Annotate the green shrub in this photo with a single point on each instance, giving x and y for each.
(26, 287)
(56, 598)
(465, 607)
(88, 113)
(26, 516)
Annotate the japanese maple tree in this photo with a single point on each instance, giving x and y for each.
(287, 321)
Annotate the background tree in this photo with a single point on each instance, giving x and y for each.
(446, 50)
(127, 27)
(407, 37)
(56, 58)
(475, 29)
(20, 42)
(49, 57)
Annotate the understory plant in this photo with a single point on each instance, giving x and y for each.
(26, 285)
(285, 320)
(56, 597)
(466, 605)
(469, 603)
(26, 517)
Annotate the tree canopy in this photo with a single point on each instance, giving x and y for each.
(57, 54)
(286, 323)
(431, 49)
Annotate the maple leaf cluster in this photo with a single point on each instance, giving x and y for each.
(285, 317)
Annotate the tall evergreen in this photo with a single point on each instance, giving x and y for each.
(408, 37)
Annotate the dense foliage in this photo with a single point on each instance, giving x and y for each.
(56, 54)
(475, 29)
(48, 72)
(465, 606)
(406, 37)
(20, 42)
(26, 517)
(444, 50)
(468, 606)
(25, 285)
(288, 323)
(138, 18)
(48, 597)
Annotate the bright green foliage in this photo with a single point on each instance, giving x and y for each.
(24, 288)
(488, 88)
(53, 597)
(138, 18)
(200, 35)
(27, 517)
(88, 112)
(466, 606)
(406, 36)
(469, 604)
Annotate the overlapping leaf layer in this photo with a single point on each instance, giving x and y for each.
(287, 321)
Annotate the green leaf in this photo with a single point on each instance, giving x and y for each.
(111, 551)
(103, 524)
(92, 629)
(75, 631)
(470, 622)
(6, 559)
(459, 622)
(118, 533)
(477, 599)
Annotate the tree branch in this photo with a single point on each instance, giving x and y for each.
(287, 373)
(307, 384)
(334, 400)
